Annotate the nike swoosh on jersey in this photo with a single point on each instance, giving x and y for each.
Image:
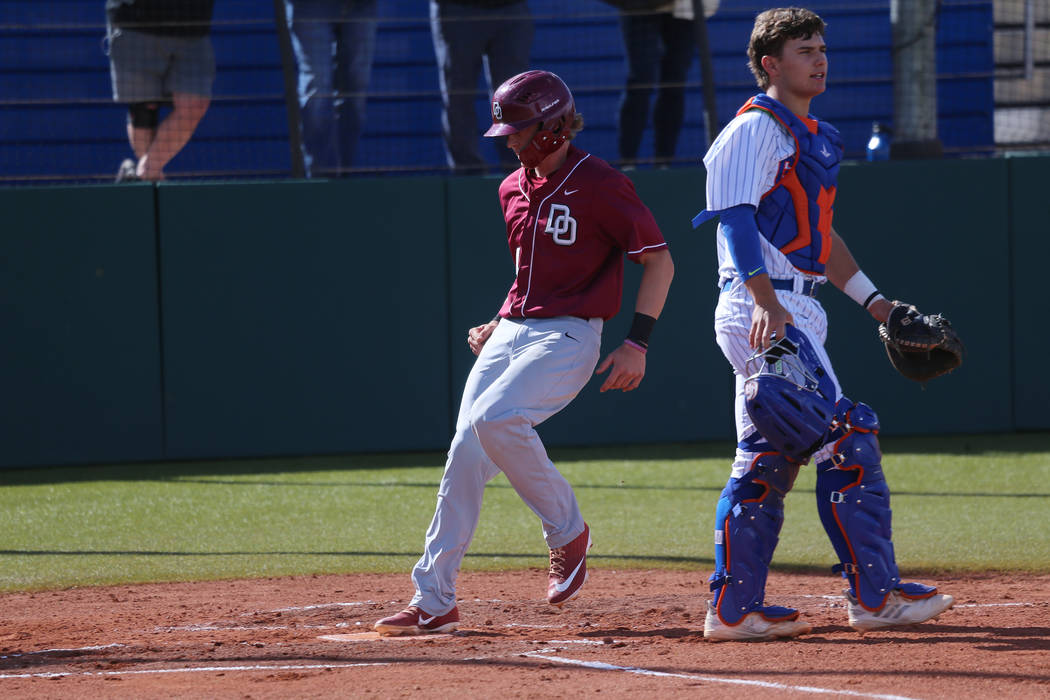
(427, 620)
(564, 585)
(568, 192)
(753, 271)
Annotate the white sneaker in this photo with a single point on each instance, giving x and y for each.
(897, 611)
(753, 628)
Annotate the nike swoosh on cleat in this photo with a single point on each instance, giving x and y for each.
(564, 585)
(568, 192)
(427, 620)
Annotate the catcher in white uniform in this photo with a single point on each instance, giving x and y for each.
(771, 179)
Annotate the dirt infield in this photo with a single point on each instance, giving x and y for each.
(632, 633)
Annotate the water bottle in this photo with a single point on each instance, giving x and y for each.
(879, 143)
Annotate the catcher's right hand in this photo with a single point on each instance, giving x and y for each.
(920, 346)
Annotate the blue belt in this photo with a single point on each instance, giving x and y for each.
(809, 287)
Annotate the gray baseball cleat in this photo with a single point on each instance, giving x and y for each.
(754, 627)
(897, 611)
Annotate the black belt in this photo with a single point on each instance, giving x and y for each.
(809, 287)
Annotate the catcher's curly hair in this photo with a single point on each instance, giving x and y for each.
(772, 30)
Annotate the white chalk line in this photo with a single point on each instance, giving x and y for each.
(602, 666)
(549, 650)
(245, 628)
(841, 599)
(191, 669)
(58, 651)
(318, 606)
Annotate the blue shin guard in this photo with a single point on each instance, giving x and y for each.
(748, 519)
(853, 500)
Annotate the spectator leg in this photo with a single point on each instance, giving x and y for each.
(310, 24)
(172, 134)
(507, 54)
(140, 139)
(458, 49)
(669, 108)
(354, 51)
(642, 46)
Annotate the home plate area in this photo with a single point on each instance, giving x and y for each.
(630, 632)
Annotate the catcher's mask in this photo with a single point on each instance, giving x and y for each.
(531, 97)
(790, 397)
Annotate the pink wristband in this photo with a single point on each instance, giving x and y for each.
(635, 345)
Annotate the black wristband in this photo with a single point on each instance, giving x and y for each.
(641, 327)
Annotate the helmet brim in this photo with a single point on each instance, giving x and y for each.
(502, 130)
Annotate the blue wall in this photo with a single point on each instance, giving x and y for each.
(58, 120)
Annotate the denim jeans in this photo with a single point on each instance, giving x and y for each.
(334, 41)
(467, 40)
(659, 49)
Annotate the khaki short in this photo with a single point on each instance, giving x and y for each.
(148, 67)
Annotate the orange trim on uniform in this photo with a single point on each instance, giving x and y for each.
(726, 538)
(842, 528)
(924, 596)
(722, 597)
(801, 204)
(826, 202)
(794, 187)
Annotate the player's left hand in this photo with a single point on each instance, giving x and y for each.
(628, 368)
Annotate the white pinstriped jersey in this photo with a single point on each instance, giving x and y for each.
(742, 165)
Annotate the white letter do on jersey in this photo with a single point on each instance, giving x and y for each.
(561, 225)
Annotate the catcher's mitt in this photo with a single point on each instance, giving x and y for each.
(920, 346)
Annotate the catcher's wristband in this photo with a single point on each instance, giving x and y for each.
(862, 290)
(641, 327)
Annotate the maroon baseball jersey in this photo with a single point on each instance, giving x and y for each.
(568, 234)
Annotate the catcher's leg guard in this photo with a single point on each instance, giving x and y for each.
(748, 520)
(853, 500)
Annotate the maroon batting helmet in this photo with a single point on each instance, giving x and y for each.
(531, 97)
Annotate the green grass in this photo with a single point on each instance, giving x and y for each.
(970, 503)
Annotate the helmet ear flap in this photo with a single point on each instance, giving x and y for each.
(550, 138)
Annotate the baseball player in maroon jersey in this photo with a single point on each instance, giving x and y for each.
(570, 219)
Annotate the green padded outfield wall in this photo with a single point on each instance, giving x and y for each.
(1030, 222)
(934, 234)
(79, 360)
(327, 317)
(304, 317)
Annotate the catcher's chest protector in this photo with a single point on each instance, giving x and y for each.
(795, 215)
